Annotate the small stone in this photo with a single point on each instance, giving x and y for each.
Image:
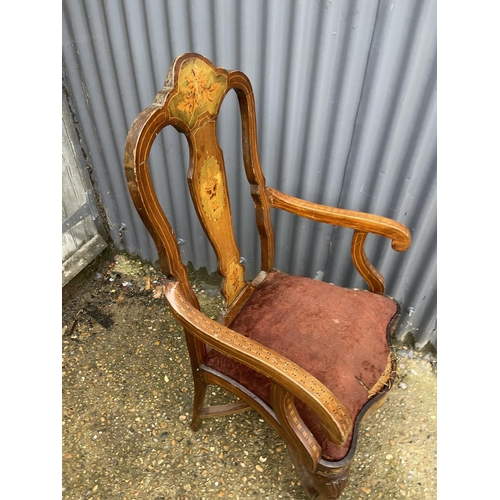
(366, 490)
(259, 468)
(402, 385)
(187, 487)
(94, 488)
(262, 459)
(389, 456)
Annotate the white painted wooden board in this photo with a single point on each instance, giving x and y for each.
(82, 243)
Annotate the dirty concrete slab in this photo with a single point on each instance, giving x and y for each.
(127, 402)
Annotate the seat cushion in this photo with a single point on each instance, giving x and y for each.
(339, 335)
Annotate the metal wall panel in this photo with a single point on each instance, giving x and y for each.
(346, 106)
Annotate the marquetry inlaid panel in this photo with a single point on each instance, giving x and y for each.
(212, 188)
(199, 89)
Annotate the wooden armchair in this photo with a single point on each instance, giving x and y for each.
(311, 357)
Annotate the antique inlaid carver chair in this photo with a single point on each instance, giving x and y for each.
(311, 357)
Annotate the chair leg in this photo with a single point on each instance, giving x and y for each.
(200, 389)
(197, 352)
(321, 485)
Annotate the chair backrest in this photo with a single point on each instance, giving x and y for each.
(190, 101)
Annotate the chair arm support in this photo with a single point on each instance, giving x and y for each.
(336, 421)
(360, 221)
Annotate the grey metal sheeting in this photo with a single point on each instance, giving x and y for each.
(346, 106)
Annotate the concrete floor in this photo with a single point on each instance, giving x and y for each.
(127, 401)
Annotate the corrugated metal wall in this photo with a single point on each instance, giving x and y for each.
(346, 104)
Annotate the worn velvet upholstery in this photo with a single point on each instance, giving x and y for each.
(338, 335)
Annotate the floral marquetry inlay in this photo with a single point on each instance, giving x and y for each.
(212, 190)
(235, 280)
(199, 90)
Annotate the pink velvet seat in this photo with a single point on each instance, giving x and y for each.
(338, 335)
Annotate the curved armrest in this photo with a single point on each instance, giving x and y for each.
(360, 221)
(321, 400)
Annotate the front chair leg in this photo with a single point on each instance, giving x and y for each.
(320, 485)
(197, 350)
(319, 482)
(200, 389)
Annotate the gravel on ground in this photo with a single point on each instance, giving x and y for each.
(126, 411)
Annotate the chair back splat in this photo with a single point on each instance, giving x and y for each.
(190, 101)
(312, 358)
